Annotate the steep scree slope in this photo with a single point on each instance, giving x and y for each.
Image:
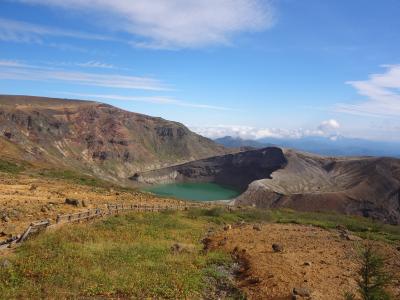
(363, 186)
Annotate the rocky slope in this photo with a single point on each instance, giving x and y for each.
(359, 186)
(94, 138)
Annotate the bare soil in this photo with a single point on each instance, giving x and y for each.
(312, 258)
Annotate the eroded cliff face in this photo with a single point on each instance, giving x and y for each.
(97, 138)
(235, 170)
(359, 186)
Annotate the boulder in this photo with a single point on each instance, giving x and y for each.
(277, 248)
(352, 237)
(301, 291)
(257, 227)
(228, 227)
(73, 202)
(349, 237)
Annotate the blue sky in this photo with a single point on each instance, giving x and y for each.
(253, 68)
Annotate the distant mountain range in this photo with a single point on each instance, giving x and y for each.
(338, 146)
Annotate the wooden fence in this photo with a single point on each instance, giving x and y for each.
(112, 209)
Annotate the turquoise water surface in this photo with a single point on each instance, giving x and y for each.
(194, 191)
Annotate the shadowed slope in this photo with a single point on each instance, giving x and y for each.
(235, 170)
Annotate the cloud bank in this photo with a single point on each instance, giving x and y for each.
(175, 23)
(327, 128)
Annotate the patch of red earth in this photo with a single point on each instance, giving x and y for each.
(312, 259)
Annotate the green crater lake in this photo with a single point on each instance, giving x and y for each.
(194, 191)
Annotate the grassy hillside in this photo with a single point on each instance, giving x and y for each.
(123, 256)
(131, 256)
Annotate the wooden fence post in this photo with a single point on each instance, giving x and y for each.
(25, 234)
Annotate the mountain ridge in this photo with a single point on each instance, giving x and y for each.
(96, 138)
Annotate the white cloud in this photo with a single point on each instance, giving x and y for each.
(325, 129)
(95, 64)
(11, 63)
(149, 99)
(10, 70)
(382, 93)
(329, 125)
(16, 31)
(244, 132)
(175, 23)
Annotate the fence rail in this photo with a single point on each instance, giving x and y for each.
(112, 209)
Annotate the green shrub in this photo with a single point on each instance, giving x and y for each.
(373, 277)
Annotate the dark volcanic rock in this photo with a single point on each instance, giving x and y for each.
(277, 248)
(73, 202)
(236, 170)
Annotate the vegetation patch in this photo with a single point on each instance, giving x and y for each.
(122, 256)
(10, 167)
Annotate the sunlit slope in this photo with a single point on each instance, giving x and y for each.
(96, 138)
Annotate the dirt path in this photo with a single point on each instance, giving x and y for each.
(313, 259)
